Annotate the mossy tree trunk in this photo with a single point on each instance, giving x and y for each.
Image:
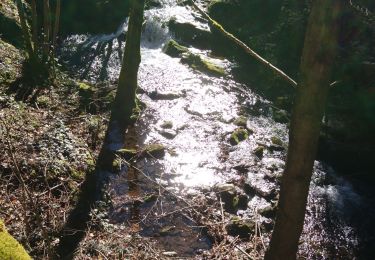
(125, 100)
(317, 59)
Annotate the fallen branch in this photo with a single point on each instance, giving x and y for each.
(246, 48)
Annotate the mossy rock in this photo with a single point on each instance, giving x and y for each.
(240, 228)
(240, 121)
(9, 247)
(154, 150)
(259, 151)
(173, 49)
(195, 61)
(276, 141)
(239, 135)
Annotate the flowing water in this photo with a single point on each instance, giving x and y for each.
(199, 112)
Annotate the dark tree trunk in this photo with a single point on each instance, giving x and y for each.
(126, 91)
(317, 58)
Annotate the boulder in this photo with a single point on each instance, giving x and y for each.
(191, 34)
(173, 49)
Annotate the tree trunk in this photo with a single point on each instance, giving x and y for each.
(46, 28)
(127, 86)
(317, 58)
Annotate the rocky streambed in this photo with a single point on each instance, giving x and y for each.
(221, 151)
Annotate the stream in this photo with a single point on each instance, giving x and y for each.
(193, 115)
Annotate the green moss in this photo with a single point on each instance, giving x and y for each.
(116, 164)
(173, 49)
(127, 154)
(197, 62)
(150, 197)
(276, 141)
(154, 150)
(239, 135)
(9, 247)
(259, 151)
(83, 86)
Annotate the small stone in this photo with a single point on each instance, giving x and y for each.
(170, 254)
(167, 125)
(168, 133)
(154, 150)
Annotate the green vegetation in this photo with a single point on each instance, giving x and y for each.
(9, 247)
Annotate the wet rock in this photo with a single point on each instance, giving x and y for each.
(152, 3)
(168, 133)
(154, 150)
(224, 187)
(156, 95)
(195, 61)
(239, 135)
(241, 121)
(173, 49)
(240, 228)
(257, 184)
(167, 125)
(259, 151)
(189, 33)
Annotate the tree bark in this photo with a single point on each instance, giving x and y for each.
(46, 27)
(126, 90)
(317, 58)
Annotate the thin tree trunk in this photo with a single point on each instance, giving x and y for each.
(57, 23)
(317, 58)
(25, 29)
(46, 27)
(34, 17)
(127, 86)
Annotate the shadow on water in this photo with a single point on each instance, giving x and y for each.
(91, 193)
